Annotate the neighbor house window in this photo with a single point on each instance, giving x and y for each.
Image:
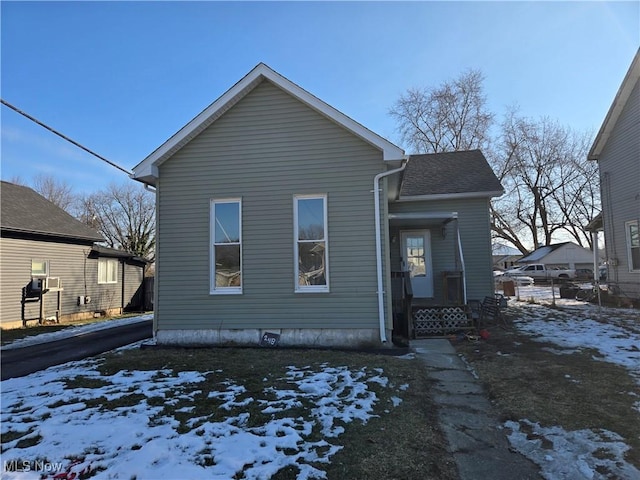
(633, 244)
(310, 243)
(39, 268)
(107, 270)
(226, 246)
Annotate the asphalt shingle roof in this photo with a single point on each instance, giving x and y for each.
(25, 211)
(447, 173)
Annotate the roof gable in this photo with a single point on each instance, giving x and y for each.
(465, 173)
(147, 170)
(618, 104)
(27, 212)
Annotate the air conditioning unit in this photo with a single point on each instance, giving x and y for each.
(52, 283)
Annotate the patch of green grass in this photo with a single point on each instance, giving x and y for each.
(13, 435)
(86, 382)
(29, 441)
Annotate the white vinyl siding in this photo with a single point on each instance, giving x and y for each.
(107, 270)
(311, 260)
(226, 246)
(633, 245)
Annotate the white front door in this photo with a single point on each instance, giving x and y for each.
(416, 259)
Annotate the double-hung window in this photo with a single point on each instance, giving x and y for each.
(633, 245)
(107, 270)
(226, 246)
(310, 243)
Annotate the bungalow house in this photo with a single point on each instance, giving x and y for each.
(50, 268)
(279, 215)
(560, 255)
(616, 148)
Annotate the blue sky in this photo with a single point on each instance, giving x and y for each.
(122, 77)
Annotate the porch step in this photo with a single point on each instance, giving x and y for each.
(437, 321)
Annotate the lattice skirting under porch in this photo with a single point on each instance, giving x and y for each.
(437, 321)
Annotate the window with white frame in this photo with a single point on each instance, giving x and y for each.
(226, 246)
(39, 268)
(310, 243)
(107, 270)
(633, 245)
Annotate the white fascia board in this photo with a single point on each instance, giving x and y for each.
(450, 196)
(424, 216)
(391, 152)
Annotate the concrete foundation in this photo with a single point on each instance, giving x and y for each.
(289, 337)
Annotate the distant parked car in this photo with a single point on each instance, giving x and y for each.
(584, 274)
(520, 280)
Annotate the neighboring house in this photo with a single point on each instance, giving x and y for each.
(617, 150)
(504, 256)
(279, 214)
(51, 269)
(567, 255)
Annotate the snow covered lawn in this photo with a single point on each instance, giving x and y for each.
(76, 419)
(585, 331)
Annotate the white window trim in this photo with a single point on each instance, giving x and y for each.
(627, 235)
(103, 261)
(213, 290)
(46, 268)
(310, 288)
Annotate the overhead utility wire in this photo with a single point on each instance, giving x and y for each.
(16, 109)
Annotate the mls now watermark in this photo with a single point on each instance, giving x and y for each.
(38, 466)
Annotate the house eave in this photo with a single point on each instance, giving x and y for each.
(148, 168)
(48, 236)
(449, 196)
(619, 102)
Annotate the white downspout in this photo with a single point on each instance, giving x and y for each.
(462, 265)
(376, 200)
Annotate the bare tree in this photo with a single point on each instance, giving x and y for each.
(551, 189)
(447, 118)
(56, 191)
(125, 216)
(550, 186)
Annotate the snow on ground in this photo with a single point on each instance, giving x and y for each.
(574, 455)
(615, 335)
(69, 431)
(73, 331)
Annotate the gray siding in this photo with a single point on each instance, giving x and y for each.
(266, 149)
(475, 235)
(619, 164)
(78, 274)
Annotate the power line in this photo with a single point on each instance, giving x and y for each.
(52, 130)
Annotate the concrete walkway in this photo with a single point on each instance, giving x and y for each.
(480, 448)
